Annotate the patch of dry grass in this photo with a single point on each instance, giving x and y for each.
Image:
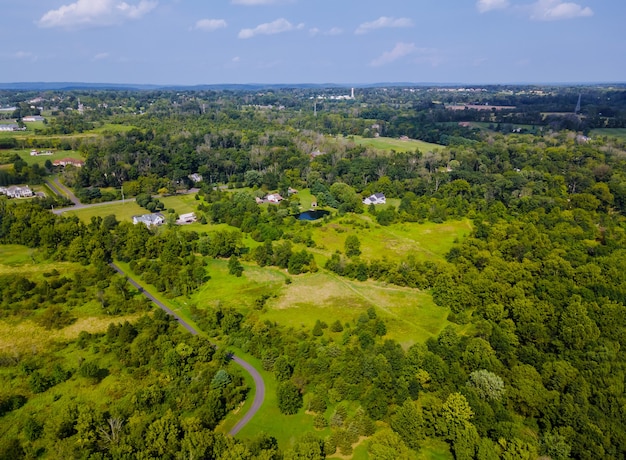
(26, 336)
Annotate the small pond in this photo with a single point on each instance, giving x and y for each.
(312, 215)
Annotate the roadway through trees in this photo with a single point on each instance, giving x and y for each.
(259, 394)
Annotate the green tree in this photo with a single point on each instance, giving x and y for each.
(234, 266)
(388, 445)
(488, 385)
(289, 397)
(408, 423)
(352, 246)
(220, 380)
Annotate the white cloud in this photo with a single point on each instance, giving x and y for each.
(269, 28)
(258, 2)
(25, 55)
(400, 50)
(100, 56)
(488, 5)
(333, 31)
(383, 22)
(210, 24)
(554, 10)
(85, 13)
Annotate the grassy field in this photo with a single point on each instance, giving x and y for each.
(399, 145)
(14, 255)
(411, 315)
(182, 204)
(423, 241)
(123, 211)
(25, 335)
(620, 133)
(41, 159)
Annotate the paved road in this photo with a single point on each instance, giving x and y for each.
(259, 394)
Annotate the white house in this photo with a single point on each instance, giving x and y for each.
(9, 127)
(16, 192)
(376, 198)
(149, 220)
(187, 218)
(195, 177)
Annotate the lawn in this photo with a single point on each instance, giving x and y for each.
(399, 145)
(182, 204)
(123, 211)
(41, 159)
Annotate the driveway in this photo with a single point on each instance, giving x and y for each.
(259, 394)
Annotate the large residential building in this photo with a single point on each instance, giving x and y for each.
(16, 192)
(150, 220)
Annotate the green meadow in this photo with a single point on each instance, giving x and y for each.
(422, 241)
(619, 133)
(124, 211)
(411, 315)
(399, 145)
(24, 334)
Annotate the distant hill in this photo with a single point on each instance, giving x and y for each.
(43, 86)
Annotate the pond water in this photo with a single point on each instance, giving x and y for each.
(313, 215)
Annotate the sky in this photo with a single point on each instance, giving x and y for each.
(190, 42)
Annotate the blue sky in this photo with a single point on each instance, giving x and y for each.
(312, 41)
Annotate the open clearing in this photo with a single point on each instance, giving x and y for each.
(399, 145)
(425, 241)
(410, 314)
(123, 211)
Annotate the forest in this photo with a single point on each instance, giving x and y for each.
(507, 224)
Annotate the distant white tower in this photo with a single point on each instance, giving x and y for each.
(352, 94)
(577, 109)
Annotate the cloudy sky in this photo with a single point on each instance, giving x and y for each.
(312, 41)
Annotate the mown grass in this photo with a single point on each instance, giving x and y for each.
(182, 204)
(123, 211)
(287, 429)
(399, 145)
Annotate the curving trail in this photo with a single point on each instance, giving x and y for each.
(259, 394)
